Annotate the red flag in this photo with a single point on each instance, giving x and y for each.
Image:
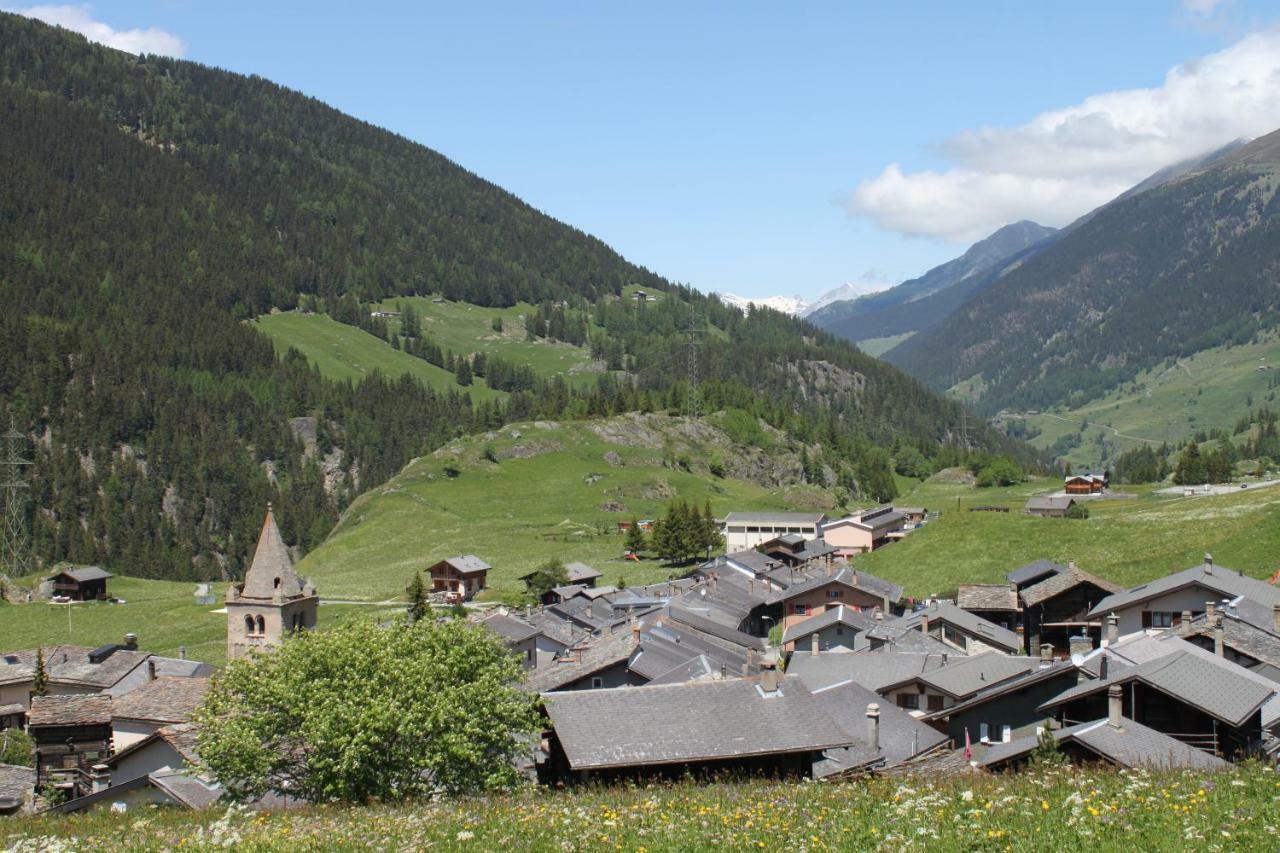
(968, 747)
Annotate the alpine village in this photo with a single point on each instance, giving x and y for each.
(350, 502)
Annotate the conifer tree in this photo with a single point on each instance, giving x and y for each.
(419, 602)
(635, 537)
(40, 679)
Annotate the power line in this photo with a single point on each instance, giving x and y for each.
(693, 399)
(15, 547)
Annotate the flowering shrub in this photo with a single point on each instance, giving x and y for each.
(1054, 808)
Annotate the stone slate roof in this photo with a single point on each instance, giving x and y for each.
(84, 709)
(580, 572)
(85, 574)
(1005, 688)
(271, 561)
(1227, 583)
(1033, 572)
(186, 788)
(902, 736)
(468, 564)
(1131, 745)
(1221, 690)
(754, 561)
(967, 676)
(872, 670)
(1061, 582)
(846, 576)
(1243, 636)
(167, 699)
(987, 632)
(697, 618)
(987, 596)
(842, 614)
(1043, 503)
(509, 628)
(897, 638)
(693, 722)
(600, 653)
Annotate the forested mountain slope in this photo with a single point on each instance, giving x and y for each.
(923, 302)
(1160, 274)
(151, 207)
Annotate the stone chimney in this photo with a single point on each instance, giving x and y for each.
(131, 641)
(1102, 668)
(635, 633)
(1184, 625)
(1113, 629)
(99, 778)
(151, 669)
(815, 642)
(885, 604)
(182, 652)
(1208, 558)
(873, 726)
(1210, 611)
(1219, 645)
(830, 570)
(1046, 655)
(1071, 564)
(924, 623)
(1080, 644)
(1115, 705)
(879, 615)
(769, 676)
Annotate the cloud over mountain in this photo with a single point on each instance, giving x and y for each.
(1063, 163)
(80, 19)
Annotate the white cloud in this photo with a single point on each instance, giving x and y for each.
(1065, 162)
(80, 19)
(1204, 8)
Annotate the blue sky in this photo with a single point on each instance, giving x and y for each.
(750, 146)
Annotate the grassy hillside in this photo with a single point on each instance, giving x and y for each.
(163, 614)
(1127, 541)
(464, 328)
(557, 490)
(1050, 810)
(1211, 389)
(344, 352)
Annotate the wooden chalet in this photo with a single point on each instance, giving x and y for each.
(83, 584)
(463, 576)
(72, 737)
(1085, 484)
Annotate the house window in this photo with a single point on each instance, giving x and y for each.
(800, 609)
(596, 682)
(909, 701)
(1157, 619)
(835, 593)
(839, 630)
(935, 703)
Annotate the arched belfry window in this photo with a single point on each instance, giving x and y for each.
(277, 584)
(248, 625)
(262, 626)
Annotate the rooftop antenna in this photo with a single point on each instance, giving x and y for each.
(15, 546)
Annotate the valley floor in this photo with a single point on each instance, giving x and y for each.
(1049, 810)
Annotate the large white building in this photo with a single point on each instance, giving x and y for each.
(744, 530)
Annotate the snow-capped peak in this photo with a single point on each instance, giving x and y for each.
(785, 304)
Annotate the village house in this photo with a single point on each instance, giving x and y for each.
(884, 736)
(1061, 606)
(794, 550)
(997, 603)
(836, 629)
(461, 577)
(771, 724)
(1010, 709)
(1115, 740)
(1050, 507)
(863, 531)
(912, 514)
(520, 637)
(1201, 700)
(743, 530)
(1160, 603)
(965, 631)
(72, 737)
(1244, 632)
(83, 584)
(1032, 573)
(831, 588)
(955, 681)
(1084, 484)
(164, 700)
(272, 600)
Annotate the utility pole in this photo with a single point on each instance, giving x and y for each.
(693, 400)
(15, 546)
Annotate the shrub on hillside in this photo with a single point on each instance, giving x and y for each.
(360, 713)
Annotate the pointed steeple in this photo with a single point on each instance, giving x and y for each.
(271, 574)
